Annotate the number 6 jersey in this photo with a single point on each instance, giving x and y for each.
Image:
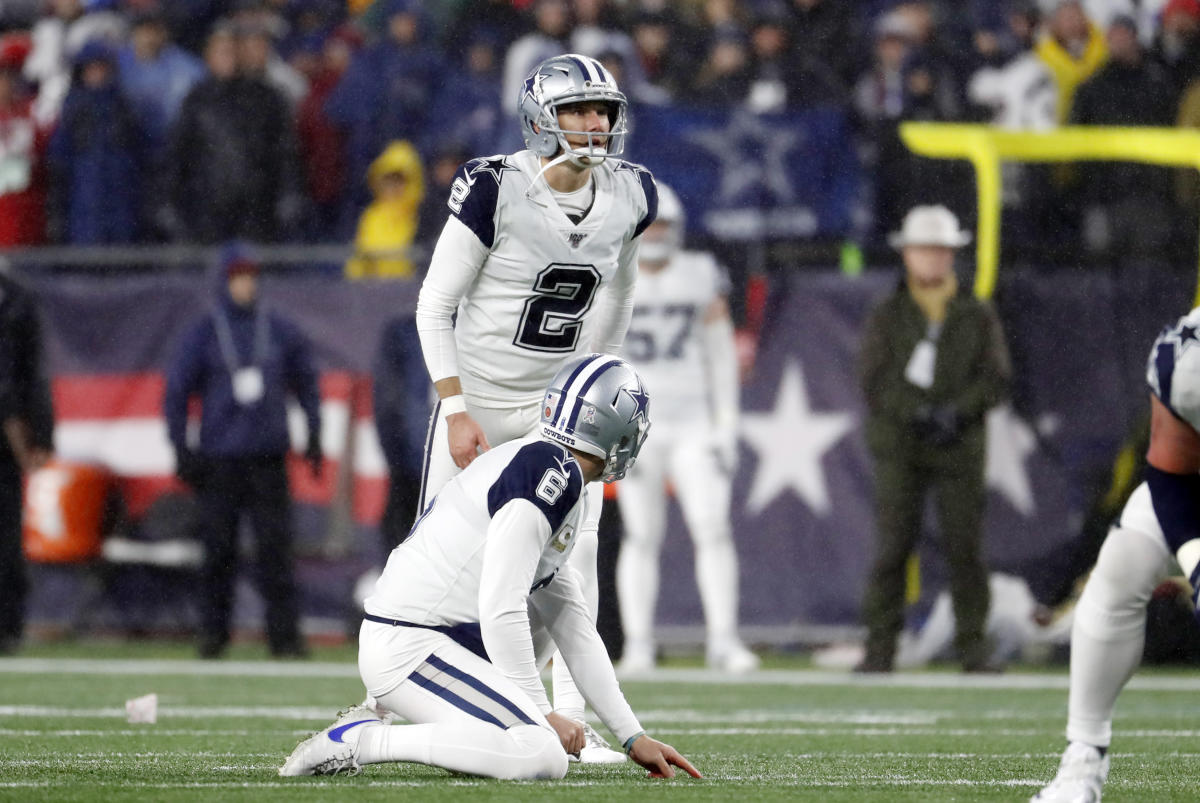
(531, 286)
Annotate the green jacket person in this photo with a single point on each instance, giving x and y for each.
(933, 362)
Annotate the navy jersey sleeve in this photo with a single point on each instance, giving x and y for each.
(475, 193)
(651, 191)
(541, 473)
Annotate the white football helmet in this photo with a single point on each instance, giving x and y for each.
(597, 404)
(665, 236)
(562, 80)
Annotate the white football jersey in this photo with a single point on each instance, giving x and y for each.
(1173, 370)
(433, 576)
(529, 308)
(665, 338)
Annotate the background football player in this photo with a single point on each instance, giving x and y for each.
(468, 606)
(1159, 526)
(681, 340)
(538, 261)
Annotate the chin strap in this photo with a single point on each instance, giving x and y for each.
(566, 155)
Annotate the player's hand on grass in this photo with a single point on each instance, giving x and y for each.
(466, 439)
(570, 732)
(659, 758)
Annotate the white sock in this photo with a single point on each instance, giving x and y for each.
(637, 590)
(521, 752)
(1109, 630)
(717, 580)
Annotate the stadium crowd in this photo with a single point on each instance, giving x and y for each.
(135, 121)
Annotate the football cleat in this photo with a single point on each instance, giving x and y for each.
(1080, 779)
(596, 750)
(333, 750)
(734, 660)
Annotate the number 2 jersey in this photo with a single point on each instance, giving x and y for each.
(530, 286)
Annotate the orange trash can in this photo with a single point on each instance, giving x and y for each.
(64, 512)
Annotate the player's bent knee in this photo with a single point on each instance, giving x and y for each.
(540, 754)
(1130, 565)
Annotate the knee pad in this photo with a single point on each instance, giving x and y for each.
(541, 753)
(1129, 567)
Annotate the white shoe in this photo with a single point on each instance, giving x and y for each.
(332, 750)
(734, 660)
(636, 660)
(596, 750)
(1080, 779)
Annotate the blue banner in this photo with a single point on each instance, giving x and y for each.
(744, 176)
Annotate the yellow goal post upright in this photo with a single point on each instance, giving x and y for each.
(986, 147)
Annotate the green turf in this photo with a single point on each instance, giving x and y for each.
(808, 736)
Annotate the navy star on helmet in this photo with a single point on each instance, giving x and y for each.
(598, 405)
(562, 80)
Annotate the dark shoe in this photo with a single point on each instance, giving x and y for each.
(873, 665)
(294, 651)
(211, 648)
(985, 666)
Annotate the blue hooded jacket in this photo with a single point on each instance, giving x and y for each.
(227, 427)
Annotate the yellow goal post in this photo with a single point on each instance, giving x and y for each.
(986, 147)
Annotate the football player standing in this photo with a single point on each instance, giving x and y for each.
(1157, 534)
(538, 260)
(681, 341)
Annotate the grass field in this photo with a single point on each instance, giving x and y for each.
(789, 733)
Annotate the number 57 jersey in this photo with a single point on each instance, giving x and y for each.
(533, 286)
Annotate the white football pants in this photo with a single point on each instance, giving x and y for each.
(683, 457)
(465, 715)
(501, 425)
(1110, 621)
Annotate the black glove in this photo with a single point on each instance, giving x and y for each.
(315, 455)
(190, 467)
(937, 424)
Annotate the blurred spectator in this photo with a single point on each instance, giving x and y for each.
(498, 19)
(231, 168)
(879, 99)
(1128, 205)
(467, 107)
(828, 45)
(385, 95)
(1177, 45)
(444, 164)
(933, 362)
(1072, 47)
(931, 82)
(1016, 90)
(664, 58)
(322, 144)
(22, 149)
(724, 76)
(770, 63)
(155, 76)
(388, 226)
(400, 396)
(243, 361)
(95, 157)
(552, 19)
(27, 416)
(257, 59)
(58, 38)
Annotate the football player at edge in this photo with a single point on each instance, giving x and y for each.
(538, 260)
(1157, 534)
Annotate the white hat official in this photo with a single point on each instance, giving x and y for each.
(930, 225)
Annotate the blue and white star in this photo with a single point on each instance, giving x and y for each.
(641, 401)
(493, 167)
(791, 440)
(1010, 444)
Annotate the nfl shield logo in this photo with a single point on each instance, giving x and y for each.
(575, 238)
(589, 415)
